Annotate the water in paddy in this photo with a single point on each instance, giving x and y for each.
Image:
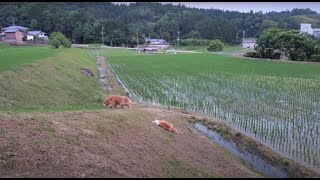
(255, 162)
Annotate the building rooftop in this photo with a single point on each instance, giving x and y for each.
(35, 32)
(16, 27)
(156, 40)
(249, 40)
(11, 30)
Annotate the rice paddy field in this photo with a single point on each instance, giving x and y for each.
(277, 103)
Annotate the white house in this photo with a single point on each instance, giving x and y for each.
(316, 32)
(32, 34)
(306, 28)
(157, 43)
(249, 43)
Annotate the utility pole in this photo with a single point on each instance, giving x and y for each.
(102, 36)
(243, 32)
(137, 38)
(178, 39)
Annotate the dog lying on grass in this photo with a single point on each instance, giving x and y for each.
(164, 124)
(115, 100)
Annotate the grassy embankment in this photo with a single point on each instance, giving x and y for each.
(47, 79)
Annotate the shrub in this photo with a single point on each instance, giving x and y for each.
(252, 54)
(55, 43)
(61, 38)
(215, 45)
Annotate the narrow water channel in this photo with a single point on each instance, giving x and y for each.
(256, 163)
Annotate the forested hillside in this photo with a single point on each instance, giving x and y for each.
(82, 21)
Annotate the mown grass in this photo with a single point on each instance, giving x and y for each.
(96, 45)
(52, 84)
(12, 57)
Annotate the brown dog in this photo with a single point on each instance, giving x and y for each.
(164, 124)
(115, 100)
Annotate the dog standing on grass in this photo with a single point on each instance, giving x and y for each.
(114, 100)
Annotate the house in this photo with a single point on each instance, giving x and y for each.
(147, 49)
(249, 43)
(14, 34)
(32, 35)
(157, 43)
(316, 32)
(306, 28)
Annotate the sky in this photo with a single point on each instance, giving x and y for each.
(247, 6)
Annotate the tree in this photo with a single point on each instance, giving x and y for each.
(215, 45)
(61, 38)
(34, 24)
(289, 43)
(193, 35)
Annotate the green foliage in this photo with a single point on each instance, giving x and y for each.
(55, 43)
(58, 36)
(316, 56)
(252, 54)
(215, 45)
(195, 42)
(193, 35)
(289, 43)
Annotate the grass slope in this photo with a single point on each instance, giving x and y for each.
(54, 83)
(12, 57)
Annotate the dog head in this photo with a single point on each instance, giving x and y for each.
(106, 102)
(156, 122)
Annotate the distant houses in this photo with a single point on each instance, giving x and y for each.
(153, 45)
(21, 35)
(157, 43)
(306, 28)
(14, 34)
(249, 43)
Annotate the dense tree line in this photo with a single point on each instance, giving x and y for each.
(290, 44)
(82, 22)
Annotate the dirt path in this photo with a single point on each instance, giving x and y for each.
(110, 143)
(112, 81)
